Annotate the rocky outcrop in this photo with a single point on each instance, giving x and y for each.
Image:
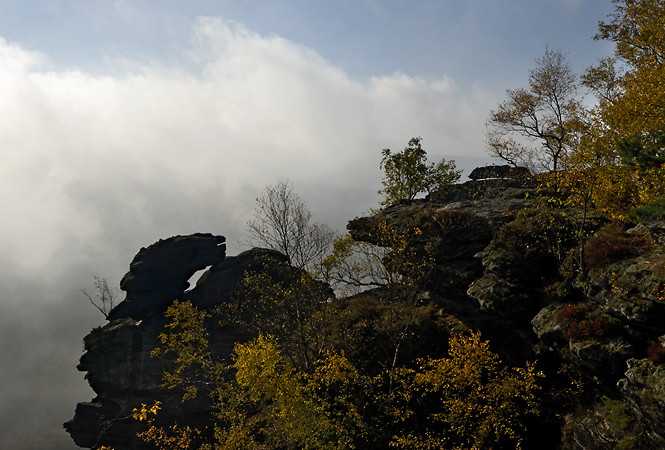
(159, 273)
(492, 263)
(507, 277)
(503, 171)
(220, 281)
(117, 359)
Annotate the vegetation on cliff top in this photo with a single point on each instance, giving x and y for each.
(389, 364)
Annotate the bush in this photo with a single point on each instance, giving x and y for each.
(538, 233)
(651, 211)
(612, 244)
(582, 322)
(656, 353)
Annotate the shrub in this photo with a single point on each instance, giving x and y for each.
(656, 353)
(582, 321)
(651, 211)
(538, 233)
(612, 244)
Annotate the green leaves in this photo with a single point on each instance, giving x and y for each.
(408, 173)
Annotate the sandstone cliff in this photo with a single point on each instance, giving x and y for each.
(117, 358)
(539, 283)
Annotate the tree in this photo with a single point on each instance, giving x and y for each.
(626, 142)
(386, 261)
(354, 266)
(286, 303)
(282, 222)
(539, 126)
(637, 29)
(469, 399)
(105, 298)
(408, 173)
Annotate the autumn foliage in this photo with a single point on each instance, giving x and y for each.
(612, 244)
(609, 156)
(351, 355)
(467, 399)
(582, 322)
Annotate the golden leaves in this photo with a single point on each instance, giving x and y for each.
(475, 402)
(141, 413)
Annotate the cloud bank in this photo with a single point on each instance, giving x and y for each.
(97, 165)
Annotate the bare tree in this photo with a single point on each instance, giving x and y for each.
(355, 266)
(282, 222)
(105, 297)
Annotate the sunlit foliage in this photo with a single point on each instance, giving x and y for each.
(472, 401)
(539, 126)
(186, 338)
(467, 399)
(282, 301)
(626, 142)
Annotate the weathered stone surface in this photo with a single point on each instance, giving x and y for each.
(117, 358)
(644, 378)
(498, 294)
(159, 273)
(548, 327)
(632, 289)
(606, 358)
(611, 426)
(503, 171)
(499, 208)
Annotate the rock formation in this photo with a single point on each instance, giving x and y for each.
(599, 326)
(117, 359)
(159, 274)
(496, 265)
(504, 171)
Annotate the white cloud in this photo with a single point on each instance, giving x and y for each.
(254, 110)
(96, 166)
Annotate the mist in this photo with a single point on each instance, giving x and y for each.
(98, 165)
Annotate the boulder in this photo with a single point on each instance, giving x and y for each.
(503, 171)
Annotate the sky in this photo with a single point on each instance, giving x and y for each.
(123, 122)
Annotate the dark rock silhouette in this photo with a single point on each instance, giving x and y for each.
(480, 278)
(504, 171)
(159, 273)
(117, 358)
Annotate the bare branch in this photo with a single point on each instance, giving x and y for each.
(282, 222)
(105, 296)
(538, 126)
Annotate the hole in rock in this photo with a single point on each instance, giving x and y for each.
(195, 278)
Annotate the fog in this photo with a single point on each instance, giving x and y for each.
(96, 166)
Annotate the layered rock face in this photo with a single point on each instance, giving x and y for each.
(117, 359)
(505, 269)
(159, 274)
(495, 264)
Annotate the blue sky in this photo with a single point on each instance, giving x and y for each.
(128, 121)
(474, 41)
